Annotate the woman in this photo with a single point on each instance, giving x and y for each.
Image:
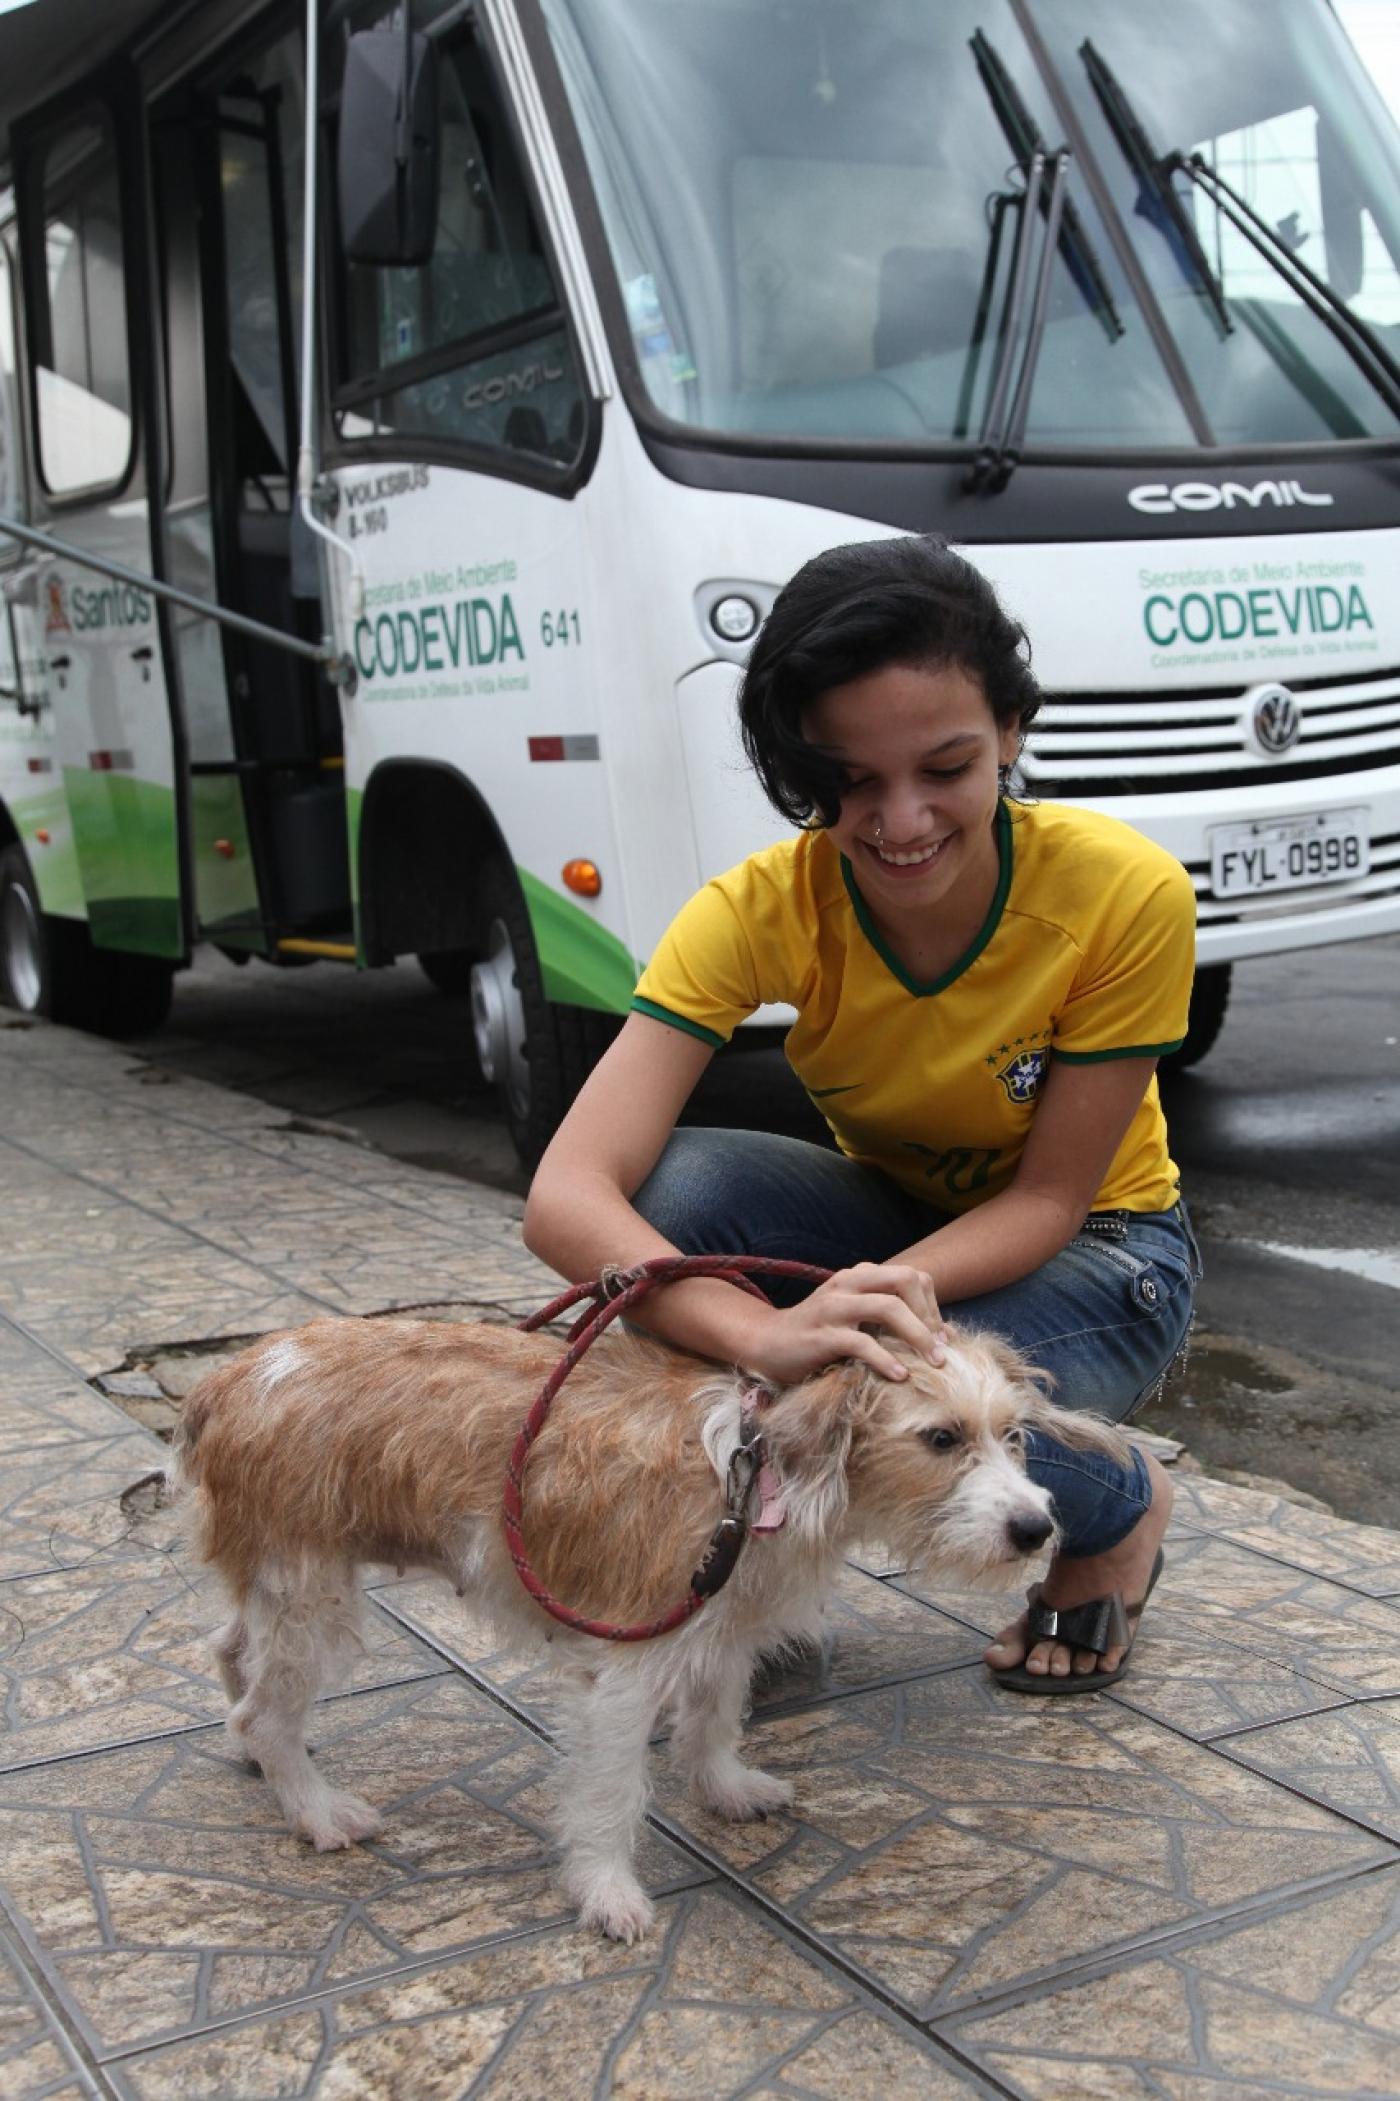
(983, 989)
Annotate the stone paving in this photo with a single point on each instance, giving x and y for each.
(1185, 1889)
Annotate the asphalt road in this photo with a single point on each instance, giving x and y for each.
(1288, 1137)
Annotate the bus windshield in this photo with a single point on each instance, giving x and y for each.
(811, 208)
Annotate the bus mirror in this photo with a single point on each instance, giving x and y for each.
(388, 149)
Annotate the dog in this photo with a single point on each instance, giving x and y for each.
(352, 1442)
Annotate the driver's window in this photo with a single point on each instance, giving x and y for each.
(472, 345)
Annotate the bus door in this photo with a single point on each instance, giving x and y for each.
(79, 182)
(266, 767)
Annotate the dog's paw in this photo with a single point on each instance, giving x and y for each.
(341, 1820)
(617, 1906)
(745, 1794)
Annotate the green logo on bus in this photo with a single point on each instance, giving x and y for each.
(467, 633)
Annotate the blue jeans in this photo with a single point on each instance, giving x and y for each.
(1105, 1316)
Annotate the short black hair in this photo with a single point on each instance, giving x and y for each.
(860, 609)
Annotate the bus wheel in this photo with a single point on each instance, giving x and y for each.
(1210, 996)
(49, 966)
(536, 1054)
(26, 942)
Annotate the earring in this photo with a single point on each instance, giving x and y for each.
(1003, 779)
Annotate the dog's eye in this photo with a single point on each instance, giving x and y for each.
(941, 1440)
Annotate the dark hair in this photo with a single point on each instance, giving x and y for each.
(859, 609)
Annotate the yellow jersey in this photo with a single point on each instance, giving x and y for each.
(1086, 953)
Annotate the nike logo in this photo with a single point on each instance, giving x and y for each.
(819, 1093)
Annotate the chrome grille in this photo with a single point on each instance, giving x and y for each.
(1096, 744)
(1382, 880)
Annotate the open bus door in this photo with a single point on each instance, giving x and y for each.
(269, 841)
(80, 190)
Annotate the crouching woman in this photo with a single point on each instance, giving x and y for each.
(983, 988)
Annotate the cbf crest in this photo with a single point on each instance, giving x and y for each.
(1021, 1075)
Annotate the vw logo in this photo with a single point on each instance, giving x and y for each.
(1274, 717)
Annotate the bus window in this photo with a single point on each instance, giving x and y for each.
(81, 356)
(472, 346)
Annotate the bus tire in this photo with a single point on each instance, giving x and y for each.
(536, 1054)
(49, 966)
(1210, 996)
(28, 939)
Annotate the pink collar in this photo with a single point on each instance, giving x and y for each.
(771, 1515)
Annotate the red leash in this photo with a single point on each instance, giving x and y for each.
(609, 1297)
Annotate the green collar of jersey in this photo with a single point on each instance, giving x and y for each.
(984, 933)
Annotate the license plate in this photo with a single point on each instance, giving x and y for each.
(1295, 853)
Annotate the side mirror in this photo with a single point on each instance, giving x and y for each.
(387, 153)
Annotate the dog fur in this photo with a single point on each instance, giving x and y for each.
(349, 1442)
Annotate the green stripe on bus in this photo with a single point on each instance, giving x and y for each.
(582, 964)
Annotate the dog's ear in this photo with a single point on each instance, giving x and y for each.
(1075, 1427)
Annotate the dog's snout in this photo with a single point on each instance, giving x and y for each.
(1029, 1531)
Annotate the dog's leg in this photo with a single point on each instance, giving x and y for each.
(295, 1625)
(602, 1798)
(230, 1648)
(705, 1737)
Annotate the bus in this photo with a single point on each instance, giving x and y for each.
(408, 413)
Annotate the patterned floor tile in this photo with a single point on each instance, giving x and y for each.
(1185, 1675)
(1304, 2004)
(165, 1894)
(1323, 1629)
(875, 1635)
(954, 1840)
(118, 1648)
(60, 1503)
(1349, 1760)
(35, 2064)
(1363, 1557)
(712, 2004)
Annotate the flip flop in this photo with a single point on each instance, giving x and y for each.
(1100, 1625)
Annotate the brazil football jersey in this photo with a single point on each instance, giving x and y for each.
(1086, 954)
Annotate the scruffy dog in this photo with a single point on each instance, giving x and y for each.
(349, 1442)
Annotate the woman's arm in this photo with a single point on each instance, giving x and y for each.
(1080, 1121)
(579, 1216)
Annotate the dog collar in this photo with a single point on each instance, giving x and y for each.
(771, 1515)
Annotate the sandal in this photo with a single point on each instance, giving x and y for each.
(1100, 1625)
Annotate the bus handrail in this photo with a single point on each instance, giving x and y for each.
(338, 669)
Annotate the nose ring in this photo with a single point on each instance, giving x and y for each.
(878, 830)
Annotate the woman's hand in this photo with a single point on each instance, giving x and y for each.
(835, 1322)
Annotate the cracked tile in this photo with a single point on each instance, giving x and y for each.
(713, 2003)
(1304, 2003)
(62, 1503)
(1349, 1759)
(953, 1840)
(166, 1894)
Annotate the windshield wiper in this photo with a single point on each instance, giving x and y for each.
(1004, 422)
(1026, 139)
(1359, 340)
(1158, 200)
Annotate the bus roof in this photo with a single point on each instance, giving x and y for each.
(49, 44)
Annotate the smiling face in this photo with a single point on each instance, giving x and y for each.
(919, 749)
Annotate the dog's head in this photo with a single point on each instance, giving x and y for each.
(933, 1466)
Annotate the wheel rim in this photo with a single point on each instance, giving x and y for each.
(498, 1020)
(22, 949)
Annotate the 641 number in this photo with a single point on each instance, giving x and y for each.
(561, 628)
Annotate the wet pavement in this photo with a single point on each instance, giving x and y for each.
(1184, 1889)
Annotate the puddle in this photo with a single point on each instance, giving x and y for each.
(1376, 1265)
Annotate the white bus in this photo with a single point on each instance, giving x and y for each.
(606, 316)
